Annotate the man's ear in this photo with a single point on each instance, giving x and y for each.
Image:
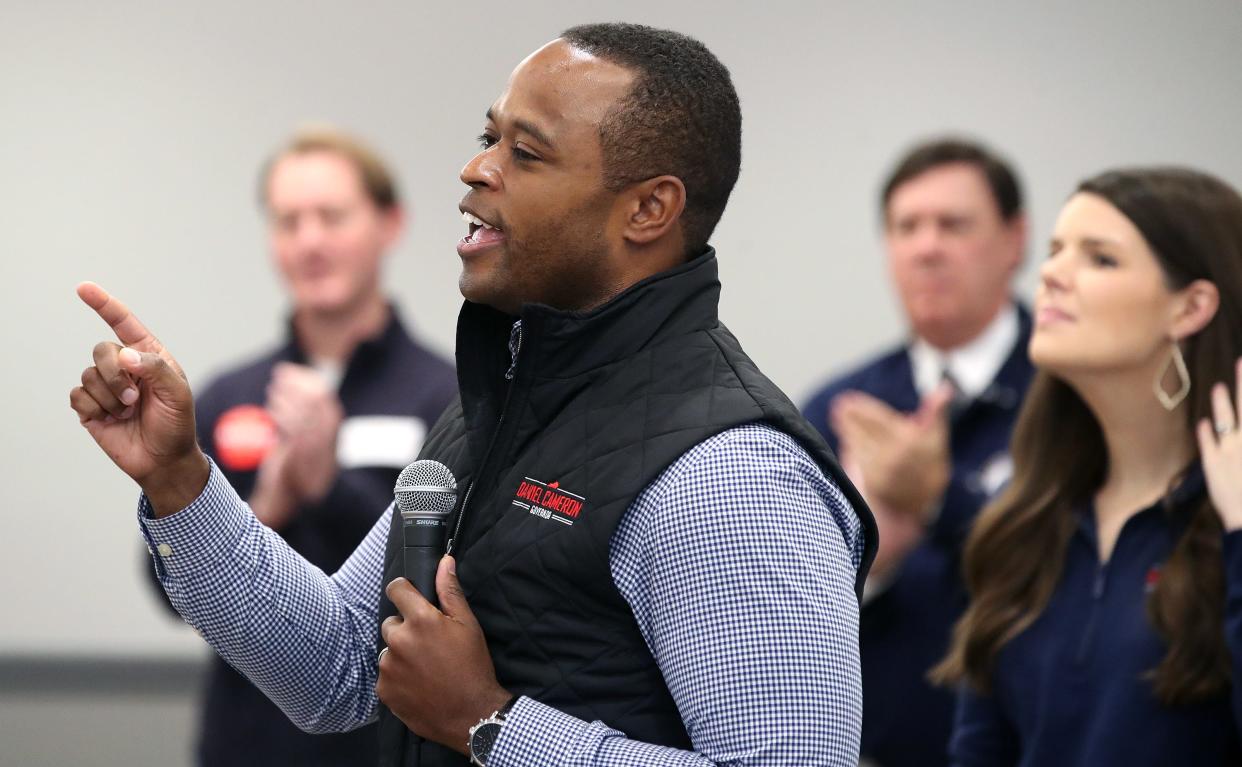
(1195, 307)
(653, 209)
(392, 222)
(1017, 230)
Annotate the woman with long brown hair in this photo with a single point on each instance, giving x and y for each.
(1105, 622)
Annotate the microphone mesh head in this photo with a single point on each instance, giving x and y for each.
(426, 487)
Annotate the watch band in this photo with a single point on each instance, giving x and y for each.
(483, 736)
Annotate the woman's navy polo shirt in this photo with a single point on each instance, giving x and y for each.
(1072, 690)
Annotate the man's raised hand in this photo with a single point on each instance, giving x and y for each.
(136, 404)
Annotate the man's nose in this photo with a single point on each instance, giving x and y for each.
(310, 232)
(482, 170)
(927, 242)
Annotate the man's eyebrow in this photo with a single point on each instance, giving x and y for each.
(527, 127)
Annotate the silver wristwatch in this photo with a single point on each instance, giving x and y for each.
(483, 736)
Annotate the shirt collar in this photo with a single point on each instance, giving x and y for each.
(974, 365)
(377, 346)
(515, 346)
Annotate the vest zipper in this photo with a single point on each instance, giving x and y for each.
(1097, 595)
(491, 446)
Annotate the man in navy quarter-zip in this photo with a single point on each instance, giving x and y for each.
(655, 560)
(314, 433)
(924, 429)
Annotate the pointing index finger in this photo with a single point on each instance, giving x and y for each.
(123, 322)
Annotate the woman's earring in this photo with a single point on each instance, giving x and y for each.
(1171, 401)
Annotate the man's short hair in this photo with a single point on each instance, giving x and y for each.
(377, 180)
(681, 118)
(1006, 190)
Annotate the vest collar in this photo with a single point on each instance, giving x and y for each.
(564, 344)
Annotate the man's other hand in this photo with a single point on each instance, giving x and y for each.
(904, 459)
(308, 418)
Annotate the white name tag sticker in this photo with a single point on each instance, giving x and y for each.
(379, 440)
(996, 473)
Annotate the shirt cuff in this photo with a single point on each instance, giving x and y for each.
(537, 734)
(186, 541)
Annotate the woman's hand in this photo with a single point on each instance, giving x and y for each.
(1220, 446)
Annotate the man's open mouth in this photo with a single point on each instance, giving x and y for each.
(481, 231)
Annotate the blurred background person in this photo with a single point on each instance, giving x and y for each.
(314, 433)
(1105, 622)
(924, 428)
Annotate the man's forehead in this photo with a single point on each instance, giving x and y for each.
(952, 187)
(562, 84)
(556, 55)
(314, 173)
(956, 179)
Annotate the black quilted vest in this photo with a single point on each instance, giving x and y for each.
(597, 406)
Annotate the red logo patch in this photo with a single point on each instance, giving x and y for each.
(1152, 580)
(243, 437)
(548, 501)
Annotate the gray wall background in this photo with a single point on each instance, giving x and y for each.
(130, 133)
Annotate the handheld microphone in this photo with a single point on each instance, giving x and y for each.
(426, 492)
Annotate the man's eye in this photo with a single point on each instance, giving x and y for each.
(486, 141)
(522, 155)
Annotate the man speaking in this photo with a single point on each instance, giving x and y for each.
(654, 559)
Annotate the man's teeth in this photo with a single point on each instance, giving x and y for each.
(470, 218)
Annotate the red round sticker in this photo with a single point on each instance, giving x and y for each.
(243, 436)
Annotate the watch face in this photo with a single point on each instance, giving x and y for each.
(482, 740)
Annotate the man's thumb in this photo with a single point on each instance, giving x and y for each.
(448, 588)
(163, 381)
(935, 406)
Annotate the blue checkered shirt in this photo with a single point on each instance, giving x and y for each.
(738, 562)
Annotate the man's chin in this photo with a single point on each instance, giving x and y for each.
(479, 290)
(323, 301)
